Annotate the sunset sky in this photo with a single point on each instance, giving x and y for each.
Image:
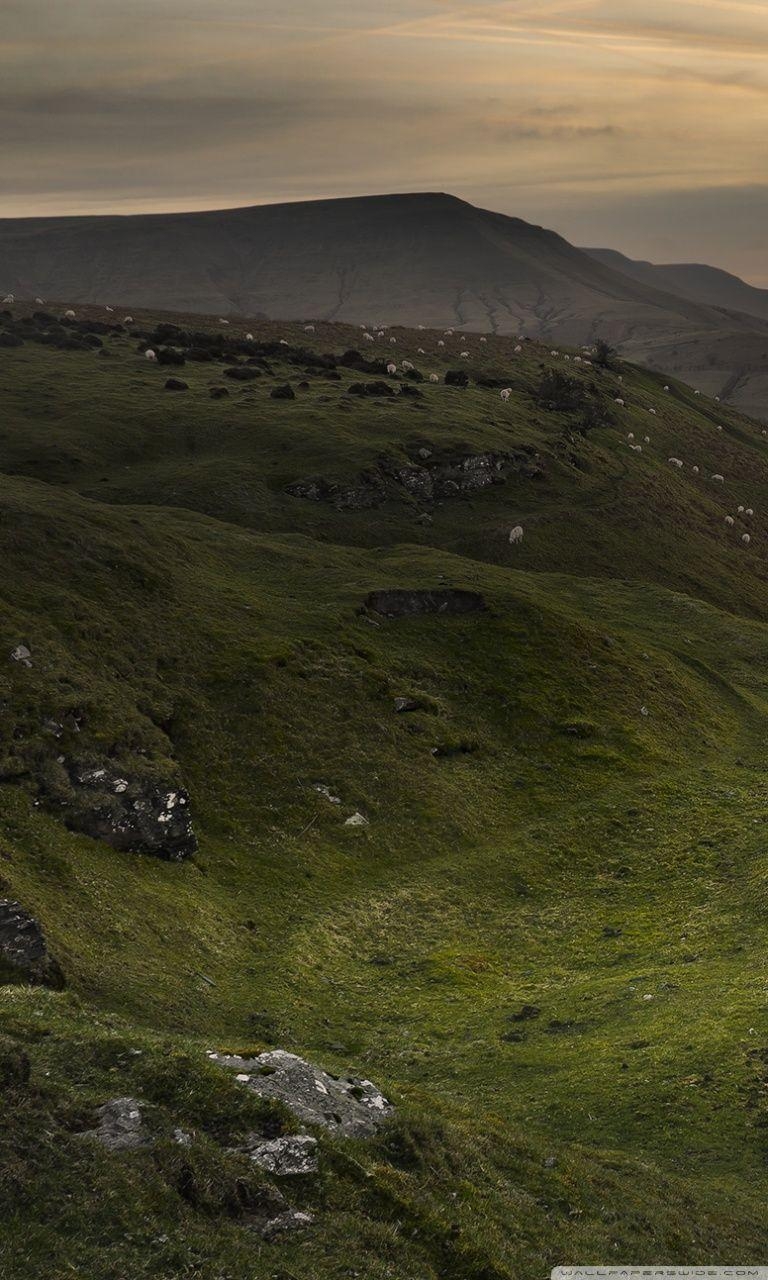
(641, 126)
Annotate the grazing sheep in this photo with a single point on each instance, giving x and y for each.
(109, 308)
(638, 448)
(421, 351)
(676, 462)
(8, 299)
(519, 349)
(720, 479)
(391, 368)
(369, 337)
(666, 388)
(463, 355)
(740, 510)
(249, 337)
(127, 319)
(647, 439)
(589, 362)
(69, 315)
(630, 435)
(697, 393)
(749, 512)
(483, 339)
(695, 470)
(40, 302)
(406, 365)
(729, 520)
(309, 328)
(506, 393)
(440, 343)
(653, 411)
(516, 534)
(421, 326)
(283, 342)
(577, 359)
(222, 321)
(619, 400)
(150, 355)
(554, 353)
(433, 377)
(393, 342)
(746, 539)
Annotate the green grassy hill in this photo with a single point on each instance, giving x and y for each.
(570, 819)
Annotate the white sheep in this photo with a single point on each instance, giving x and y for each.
(483, 339)
(440, 342)
(406, 365)
(369, 337)
(109, 308)
(638, 448)
(69, 315)
(464, 355)
(421, 327)
(577, 359)
(249, 337)
(666, 388)
(518, 350)
(740, 510)
(393, 342)
(309, 328)
(619, 400)
(554, 353)
(646, 439)
(222, 321)
(420, 351)
(746, 539)
(284, 342)
(676, 462)
(127, 319)
(8, 298)
(40, 302)
(653, 411)
(630, 435)
(150, 355)
(729, 520)
(516, 534)
(697, 393)
(749, 512)
(506, 393)
(391, 368)
(433, 377)
(695, 470)
(720, 479)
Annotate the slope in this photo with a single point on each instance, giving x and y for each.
(569, 818)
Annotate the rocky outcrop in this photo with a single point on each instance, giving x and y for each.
(346, 1105)
(399, 603)
(430, 477)
(24, 955)
(129, 813)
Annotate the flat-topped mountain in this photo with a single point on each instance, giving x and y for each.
(402, 259)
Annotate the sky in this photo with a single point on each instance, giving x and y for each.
(635, 124)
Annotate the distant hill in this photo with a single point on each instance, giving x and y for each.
(692, 280)
(404, 259)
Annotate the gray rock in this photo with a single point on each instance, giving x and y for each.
(285, 1157)
(24, 952)
(397, 603)
(21, 654)
(291, 1220)
(348, 1105)
(121, 1125)
(406, 704)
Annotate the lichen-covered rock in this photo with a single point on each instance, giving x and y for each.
(24, 955)
(347, 1105)
(291, 1220)
(121, 1125)
(129, 813)
(400, 603)
(292, 1156)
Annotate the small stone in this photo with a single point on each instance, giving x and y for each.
(121, 1125)
(22, 654)
(293, 1220)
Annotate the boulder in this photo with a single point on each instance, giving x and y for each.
(24, 955)
(242, 373)
(121, 1126)
(346, 1105)
(133, 814)
(285, 392)
(291, 1156)
(399, 603)
(176, 384)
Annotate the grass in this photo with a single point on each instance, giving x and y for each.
(573, 819)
